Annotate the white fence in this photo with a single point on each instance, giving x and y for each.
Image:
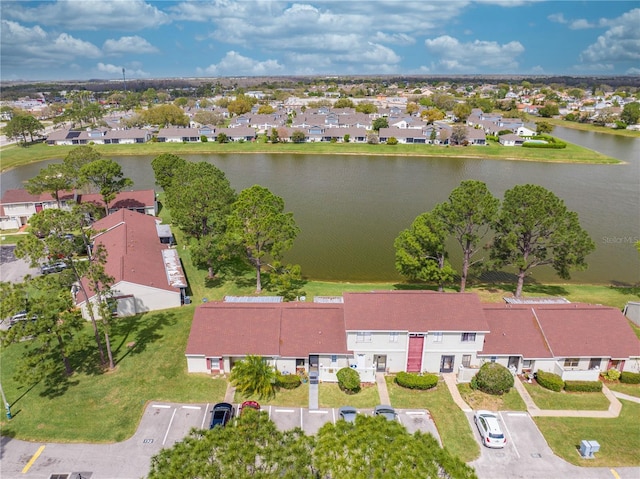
(576, 374)
(328, 374)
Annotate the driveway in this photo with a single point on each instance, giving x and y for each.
(161, 426)
(12, 269)
(528, 456)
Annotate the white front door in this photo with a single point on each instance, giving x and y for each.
(361, 362)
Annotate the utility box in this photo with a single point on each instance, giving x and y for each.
(588, 448)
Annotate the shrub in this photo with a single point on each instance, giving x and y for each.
(612, 374)
(392, 140)
(416, 381)
(629, 378)
(288, 381)
(550, 381)
(348, 380)
(583, 386)
(493, 378)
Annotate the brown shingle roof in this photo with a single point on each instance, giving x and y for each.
(267, 329)
(418, 311)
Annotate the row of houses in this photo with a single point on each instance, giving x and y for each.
(17, 206)
(414, 331)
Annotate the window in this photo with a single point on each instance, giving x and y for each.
(571, 362)
(393, 337)
(437, 337)
(527, 363)
(334, 358)
(466, 360)
(215, 363)
(468, 337)
(494, 359)
(363, 337)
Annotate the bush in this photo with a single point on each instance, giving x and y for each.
(493, 378)
(348, 380)
(583, 386)
(392, 140)
(550, 381)
(416, 381)
(630, 378)
(612, 374)
(288, 381)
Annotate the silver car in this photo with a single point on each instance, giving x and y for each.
(385, 411)
(348, 413)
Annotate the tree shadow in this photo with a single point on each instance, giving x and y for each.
(137, 332)
(56, 383)
(625, 289)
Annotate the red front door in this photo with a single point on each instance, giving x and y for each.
(414, 358)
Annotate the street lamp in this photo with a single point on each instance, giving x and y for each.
(6, 403)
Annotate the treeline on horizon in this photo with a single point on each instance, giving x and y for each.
(16, 89)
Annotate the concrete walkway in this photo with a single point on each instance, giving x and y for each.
(230, 393)
(626, 397)
(451, 382)
(383, 392)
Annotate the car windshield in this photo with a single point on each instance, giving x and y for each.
(219, 414)
(493, 435)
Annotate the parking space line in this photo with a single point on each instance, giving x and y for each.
(314, 411)
(517, 414)
(333, 412)
(32, 460)
(284, 410)
(191, 407)
(204, 416)
(169, 427)
(161, 406)
(415, 413)
(510, 436)
(615, 474)
(301, 424)
(269, 412)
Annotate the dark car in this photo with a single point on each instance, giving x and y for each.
(221, 414)
(249, 405)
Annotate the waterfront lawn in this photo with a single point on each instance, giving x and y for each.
(453, 425)
(13, 155)
(510, 401)
(619, 438)
(576, 401)
(105, 406)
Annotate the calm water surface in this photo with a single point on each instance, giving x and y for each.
(351, 208)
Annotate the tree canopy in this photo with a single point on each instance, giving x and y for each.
(253, 376)
(107, 177)
(260, 227)
(22, 125)
(165, 167)
(534, 228)
(420, 251)
(52, 179)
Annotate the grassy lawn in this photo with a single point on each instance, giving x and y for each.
(547, 399)
(330, 395)
(96, 406)
(589, 127)
(451, 422)
(479, 400)
(630, 389)
(13, 155)
(619, 438)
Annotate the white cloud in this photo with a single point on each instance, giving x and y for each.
(633, 71)
(393, 39)
(557, 18)
(125, 45)
(618, 44)
(474, 56)
(33, 47)
(234, 64)
(581, 24)
(117, 70)
(94, 15)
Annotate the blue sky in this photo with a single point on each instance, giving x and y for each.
(82, 39)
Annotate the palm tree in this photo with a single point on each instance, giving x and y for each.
(253, 376)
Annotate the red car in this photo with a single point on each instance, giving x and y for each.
(249, 405)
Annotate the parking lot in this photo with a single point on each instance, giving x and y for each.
(12, 269)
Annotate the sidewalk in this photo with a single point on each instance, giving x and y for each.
(383, 392)
(451, 381)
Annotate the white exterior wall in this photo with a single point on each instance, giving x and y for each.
(547, 365)
(380, 344)
(632, 365)
(575, 374)
(450, 345)
(20, 209)
(197, 364)
(9, 224)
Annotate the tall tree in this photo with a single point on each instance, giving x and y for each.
(53, 325)
(107, 177)
(165, 167)
(468, 216)
(52, 179)
(631, 113)
(458, 134)
(22, 125)
(381, 122)
(534, 228)
(259, 226)
(253, 376)
(420, 251)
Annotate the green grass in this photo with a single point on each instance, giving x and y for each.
(330, 395)
(573, 125)
(452, 423)
(629, 389)
(96, 406)
(13, 155)
(619, 438)
(298, 397)
(547, 399)
(510, 401)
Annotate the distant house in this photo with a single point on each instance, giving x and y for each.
(147, 272)
(415, 331)
(511, 139)
(100, 136)
(17, 206)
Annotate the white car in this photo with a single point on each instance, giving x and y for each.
(489, 427)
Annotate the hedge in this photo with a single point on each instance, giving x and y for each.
(348, 380)
(288, 381)
(493, 378)
(629, 378)
(550, 381)
(583, 386)
(416, 381)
